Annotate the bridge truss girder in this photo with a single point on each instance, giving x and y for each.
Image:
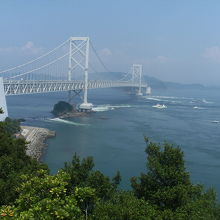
(21, 87)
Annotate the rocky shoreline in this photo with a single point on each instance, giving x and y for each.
(73, 114)
(36, 138)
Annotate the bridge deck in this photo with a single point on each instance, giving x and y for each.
(19, 87)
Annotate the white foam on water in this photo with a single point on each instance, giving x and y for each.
(215, 121)
(172, 97)
(120, 106)
(176, 102)
(152, 98)
(166, 97)
(196, 107)
(67, 122)
(103, 108)
(159, 106)
(207, 102)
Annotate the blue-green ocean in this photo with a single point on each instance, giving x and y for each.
(113, 135)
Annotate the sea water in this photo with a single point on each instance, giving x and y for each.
(114, 134)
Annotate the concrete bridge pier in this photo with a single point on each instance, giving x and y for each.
(3, 104)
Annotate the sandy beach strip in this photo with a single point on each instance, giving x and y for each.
(36, 138)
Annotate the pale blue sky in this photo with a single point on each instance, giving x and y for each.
(175, 40)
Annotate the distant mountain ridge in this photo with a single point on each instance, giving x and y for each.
(151, 81)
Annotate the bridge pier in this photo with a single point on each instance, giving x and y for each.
(139, 93)
(86, 107)
(3, 104)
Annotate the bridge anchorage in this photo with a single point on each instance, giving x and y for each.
(61, 70)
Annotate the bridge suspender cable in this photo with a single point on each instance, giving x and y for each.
(102, 63)
(40, 67)
(57, 59)
(48, 64)
(98, 57)
(125, 77)
(19, 66)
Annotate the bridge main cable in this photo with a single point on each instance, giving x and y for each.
(45, 65)
(32, 61)
(98, 57)
(103, 64)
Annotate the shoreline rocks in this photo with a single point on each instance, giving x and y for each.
(36, 138)
(73, 114)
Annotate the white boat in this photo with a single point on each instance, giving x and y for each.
(159, 106)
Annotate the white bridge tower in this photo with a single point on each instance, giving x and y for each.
(79, 57)
(137, 76)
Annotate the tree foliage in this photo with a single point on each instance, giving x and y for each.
(11, 126)
(164, 192)
(44, 196)
(124, 206)
(167, 185)
(82, 174)
(13, 162)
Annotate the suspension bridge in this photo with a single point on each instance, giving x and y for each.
(65, 68)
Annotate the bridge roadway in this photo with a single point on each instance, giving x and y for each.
(19, 87)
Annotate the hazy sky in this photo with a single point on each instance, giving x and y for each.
(175, 40)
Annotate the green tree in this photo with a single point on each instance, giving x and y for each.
(117, 178)
(1, 111)
(167, 185)
(82, 174)
(13, 163)
(78, 170)
(124, 206)
(102, 184)
(12, 126)
(86, 198)
(43, 196)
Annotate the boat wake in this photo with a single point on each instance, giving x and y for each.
(215, 121)
(206, 102)
(152, 98)
(196, 107)
(103, 108)
(170, 99)
(159, 106)
(188, 101)
(59, 120)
